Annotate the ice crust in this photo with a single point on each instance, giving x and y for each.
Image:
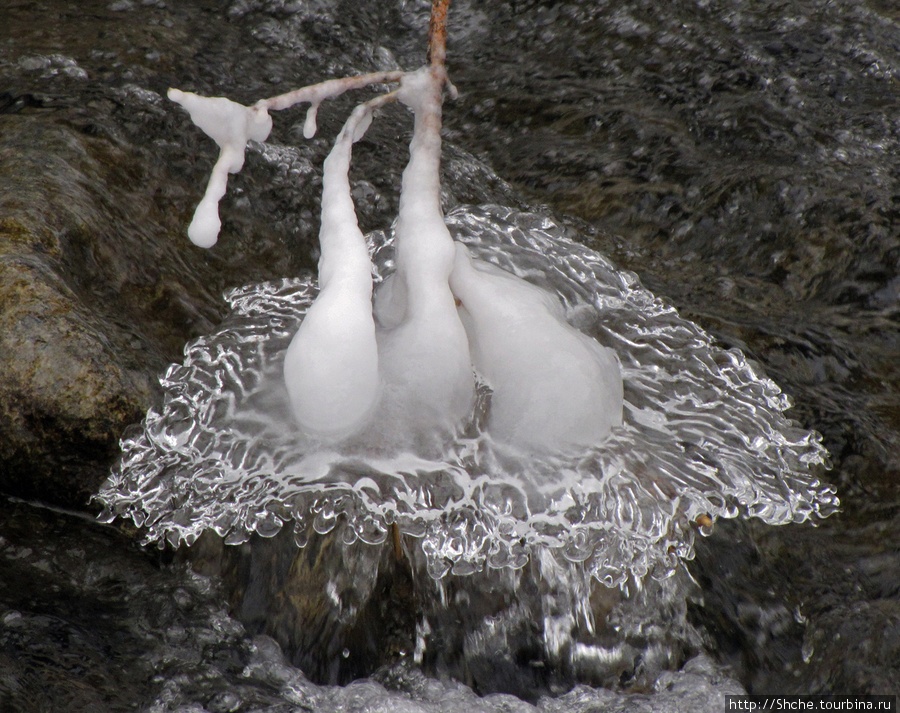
(703, 434)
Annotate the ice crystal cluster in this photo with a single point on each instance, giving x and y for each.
(481, 381)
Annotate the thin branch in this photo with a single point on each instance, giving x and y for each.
(437, 34)
(317, 93)
(359, 118)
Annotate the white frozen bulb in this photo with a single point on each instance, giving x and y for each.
(554, 388)
(231, 126)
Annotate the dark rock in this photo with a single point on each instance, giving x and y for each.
(75, 371)
(99, 290)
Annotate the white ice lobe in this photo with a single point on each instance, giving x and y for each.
(309, 126)
(554, 388)
(231, 126)
(424, 351)
(331, 366)
(399, 374)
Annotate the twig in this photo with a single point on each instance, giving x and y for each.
(231, 125)
(317, 93)
(437, 33)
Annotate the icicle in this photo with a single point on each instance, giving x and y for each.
(231, 126)
(554, 388)
(423, 347)
(331, 366)
(309, 126)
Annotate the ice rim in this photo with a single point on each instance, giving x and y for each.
(704, 436)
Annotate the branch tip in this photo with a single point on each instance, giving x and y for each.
(437, 33)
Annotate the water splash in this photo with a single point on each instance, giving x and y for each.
(704, 434)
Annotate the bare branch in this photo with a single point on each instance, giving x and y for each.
(437, 33)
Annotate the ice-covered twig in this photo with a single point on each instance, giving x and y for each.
(232, 125)
(331, 368)
(437, 33)
(315, 94)
(423, 346)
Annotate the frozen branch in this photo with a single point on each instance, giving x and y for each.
(317, 93)
(232, 125)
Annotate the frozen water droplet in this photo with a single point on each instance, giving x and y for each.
(309, 126)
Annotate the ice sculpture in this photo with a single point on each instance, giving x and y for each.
(618, 475)
(703, 433)
(554, 388)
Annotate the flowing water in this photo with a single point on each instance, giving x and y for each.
(738, 158)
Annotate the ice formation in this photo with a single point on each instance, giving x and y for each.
(405, 378)
(382, 423)
(554, 388)
(423, 345)
(703, 433)
(331, 366)
(231, 126)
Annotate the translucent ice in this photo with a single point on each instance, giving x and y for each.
(703, 433)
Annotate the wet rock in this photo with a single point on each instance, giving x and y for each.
(803, 610)
(66, 392)
(98, 292)
(75, 373)
(855, 649)
(90, 623)
(339, 612)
